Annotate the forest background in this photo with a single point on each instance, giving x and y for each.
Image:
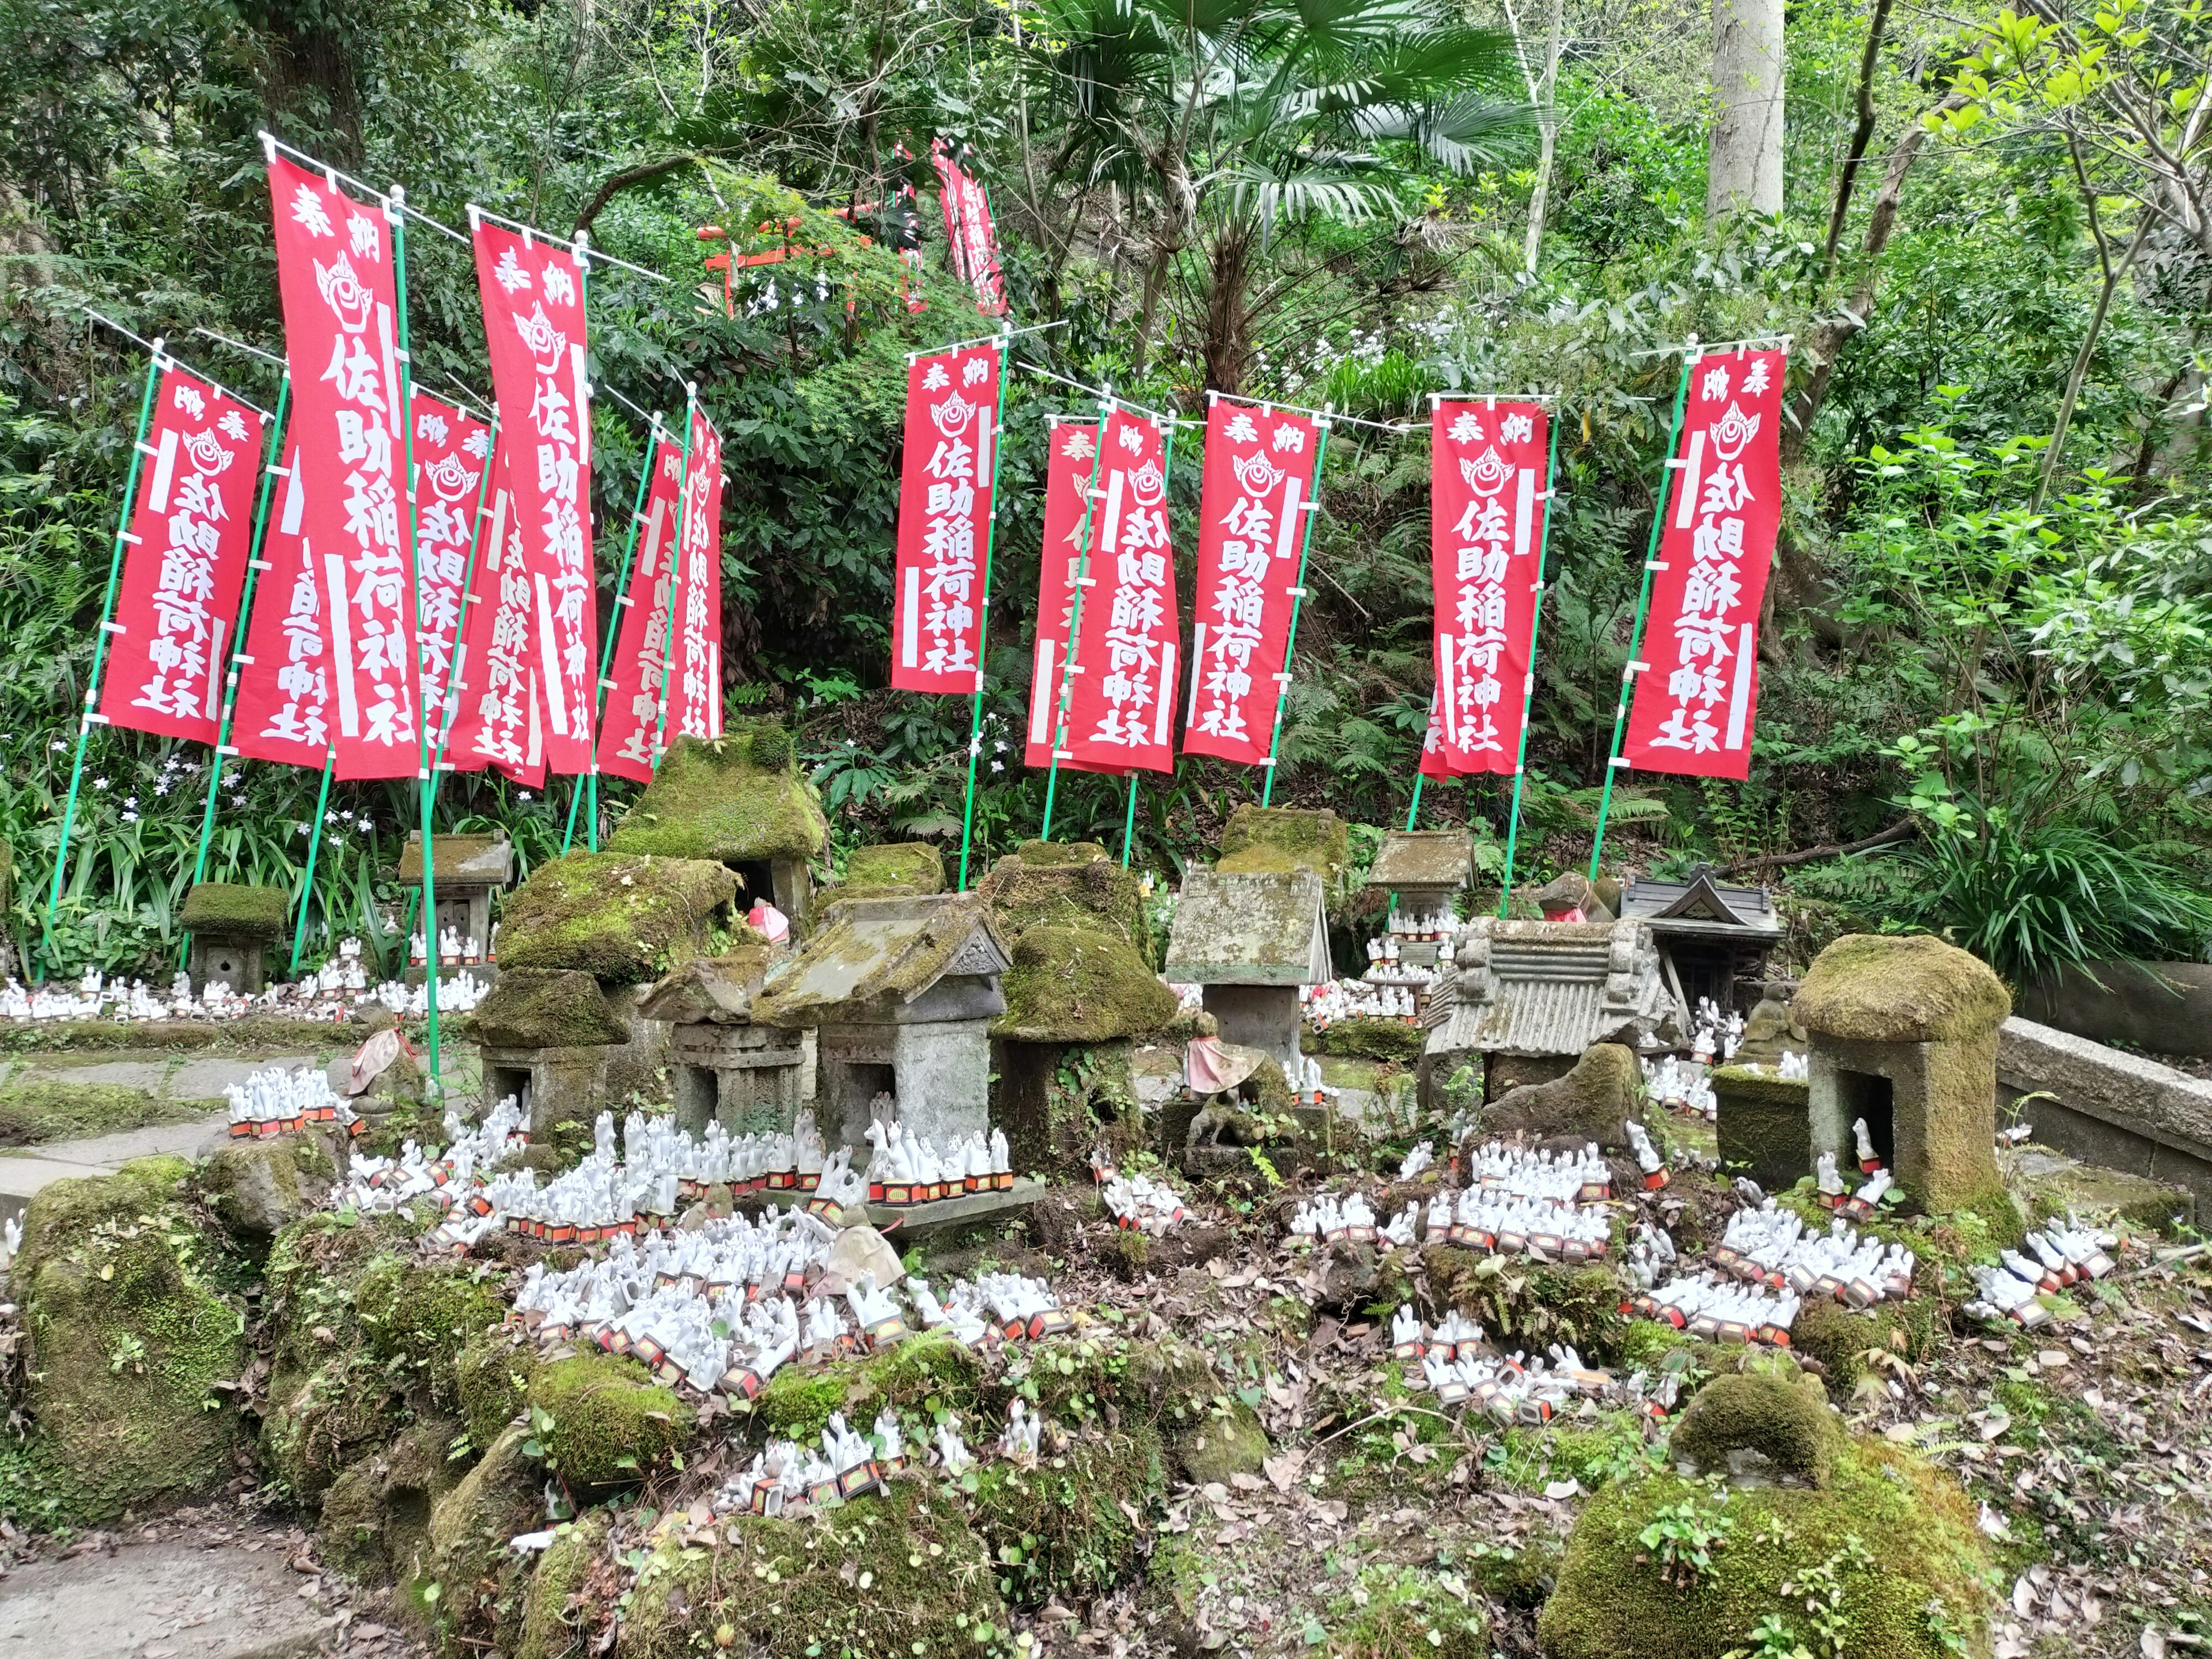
(1987, 662)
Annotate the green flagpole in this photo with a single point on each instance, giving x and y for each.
(395, 216)
(1613, 761)
(614, 631)
(468, 598)
(1529, 685)
(155, 363)
(675, 575)
(983, 614)
(1311, 506)
(1414, 810)
(253, 568)
(1075, 613)
(314, 847)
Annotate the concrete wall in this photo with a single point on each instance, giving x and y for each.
(2107, 1107)
(2163, 1006)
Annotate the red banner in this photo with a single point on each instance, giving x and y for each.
(176, 612)
(968, 227)
(944, 520)
(533, 305)
(334, 272)
(697, 710)
(1070, 456)
(1698, 688)
(629, 729)
(1486, 536)
(451, 452)
(1121, 714)
(1432, 745)
(1252, 511)
(283, 709)
(499, 722)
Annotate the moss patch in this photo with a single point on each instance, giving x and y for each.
(1603, 1090)
(891, 870)
(1375, 1039)
(417, 1314)
(785, 1586)
(548, 1628)
(1841, 1340)
(928, 1370)
(1045, 885)
(1895, 1535)
(492, 1378)
(546, 1008)
(732, 799)
(1266, 839)
(611, 1423)
(622, 918)
(230, 908)
(41, 1110)
(1784, 1420)
(1532, 1306)
(1870, 988)
(480, 1581)
(1407, 1613)
(1077, 985)
(1059, 1530)
(1763, 1129)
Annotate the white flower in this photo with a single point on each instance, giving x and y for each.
(131, 801)
(131, 817)
(998, 766)
(100, 783)
(525, 794)
(58, 746)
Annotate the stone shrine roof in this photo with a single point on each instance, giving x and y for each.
(875, 957)
(1702, 907)
(1546, 987)
(1423, 858)
(1249, 928)
(464, 861)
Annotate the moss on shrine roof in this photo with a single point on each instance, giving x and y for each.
(546, 1008)
(902, 869)
(1075, 884)
(228, 908)
(465, 858)
(733, 799)
(1870, 988)
(876, 950)
(1077, 985)
(1269, 840)
(622, 919)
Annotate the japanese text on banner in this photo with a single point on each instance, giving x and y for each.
(1252, 509)
(944, 517)
(631, 726)
(1121, 711)
(284, 686)
(334, 269)
(452, 449)
(698, 710)
(1486, 540)
(176, 612)
(1070, 460)
(968, 226)
(497, 721)
(1696, 699)
(533, 304)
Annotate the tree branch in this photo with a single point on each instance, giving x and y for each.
(629, 177)
(1903, 829)
(1860, 135)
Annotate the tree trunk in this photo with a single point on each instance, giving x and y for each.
(1745, 161)
(312, 87)
(1230, 270)
(1548, 97)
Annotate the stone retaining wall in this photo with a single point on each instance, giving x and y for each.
(2107, 1107)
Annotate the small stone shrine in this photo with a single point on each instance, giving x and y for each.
(1251, 939)
(1761, 1117)
(1710, 935)
(1904, 1034)
(725, 1068)
(1529, 997)
(901, 993)
(737, 800)
(546, 1036)
(1422, 873)
(466, 872)
(232, 927)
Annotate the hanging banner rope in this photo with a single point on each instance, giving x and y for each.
(626, 734)
(335, 274)
(1486, 513)
(968, 226)
(532, 292)
(944, 514)
(1696, 696)
(1254, 497)
(192, 528)
(453, 452)
(1121, 709)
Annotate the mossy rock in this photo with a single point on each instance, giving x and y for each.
(1267, 840)
(234, 910)
(1528, 1305)
(480, 1579)
(41, 1110)
(1898, 1535)
(256, 1189)
(1785, 1421)
(1520, 1577)
(1763, 1126)
(1873, 988)
(1227, 1440)
(1601, 1092)
(733, 800)
(1841, 1340)
(547, 1008)
(375, 1525)
(1592, 1448)
(131, 1330)
(1059, 1528)
(1405, 1613)
(612, 1424)
(1375, 1039)
(1049, 885)
(899, 869)
(492, 1376)
(622, 918)
(1079, 985)
(548, 1629)
(783, 1587)
(418, 1316)
(930, 1368)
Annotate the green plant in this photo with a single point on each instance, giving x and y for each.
(1683, 1537)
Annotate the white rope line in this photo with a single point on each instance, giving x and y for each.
(912, 357)
(580, 242)
(240, 345)
(161, 354)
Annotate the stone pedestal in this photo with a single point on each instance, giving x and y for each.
(1764, 1128)
(555, 1085)
(746, 1078)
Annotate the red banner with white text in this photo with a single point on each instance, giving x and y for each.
(1070, 461)
(1257, 487)
(1485, 538)
(1697, 691)
(284, 709)
(630, 728)
(176, 612)
(696, 704)
(498, 721)
(1120, 713)
(334, 272)
(968, 226)
(452, 449)
(534, 305)
(1432, 745)
(944, 520)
